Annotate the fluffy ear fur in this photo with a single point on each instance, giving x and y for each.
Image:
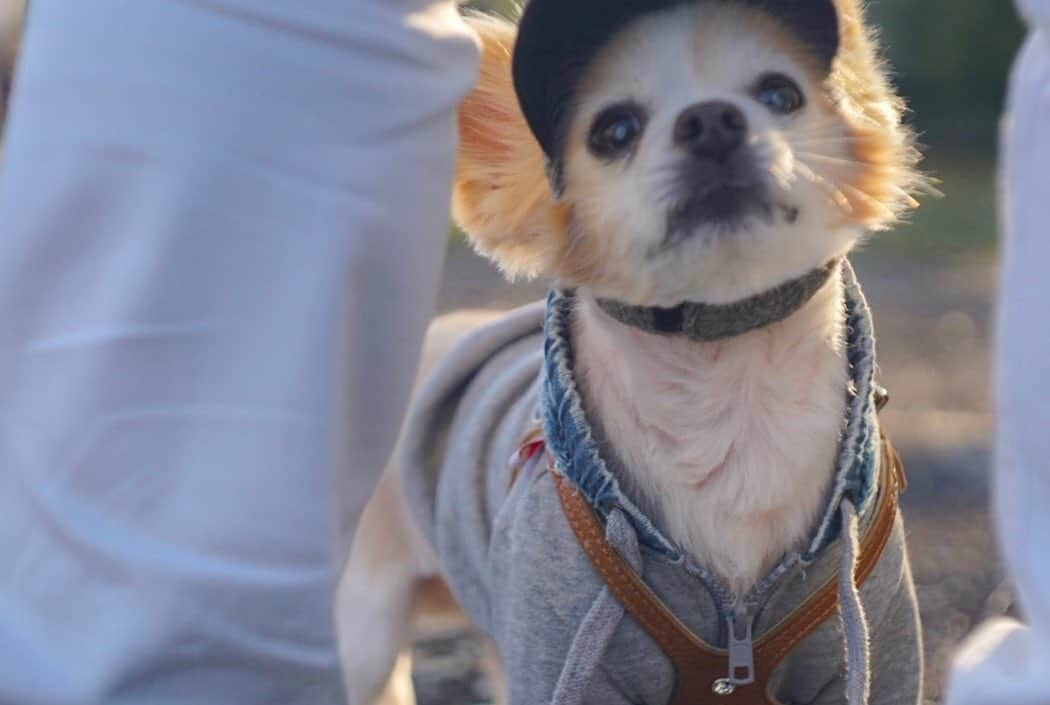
(884, 148)
(501, 197)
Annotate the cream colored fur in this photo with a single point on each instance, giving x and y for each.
(730, 445)
(625, 257)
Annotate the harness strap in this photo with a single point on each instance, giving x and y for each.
(701, 670)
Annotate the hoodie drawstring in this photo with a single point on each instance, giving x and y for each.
(597, 629)
(854, 618)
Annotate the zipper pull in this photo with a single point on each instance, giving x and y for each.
(741, 656)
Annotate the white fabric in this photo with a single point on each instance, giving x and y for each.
(1006, 663)
(223, 228)
(1036, 11)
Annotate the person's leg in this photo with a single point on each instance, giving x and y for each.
(1006, 663)
(222, 229)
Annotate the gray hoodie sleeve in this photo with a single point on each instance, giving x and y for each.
(896, 638)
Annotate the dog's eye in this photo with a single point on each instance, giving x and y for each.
(780, 94)
(615, 130)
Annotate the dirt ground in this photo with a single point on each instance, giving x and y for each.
(933, 323)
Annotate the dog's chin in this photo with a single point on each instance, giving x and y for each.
(720, 211)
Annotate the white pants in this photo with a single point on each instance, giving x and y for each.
(1005, 663)
(222, 230)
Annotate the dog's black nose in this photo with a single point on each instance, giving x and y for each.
(712, 130)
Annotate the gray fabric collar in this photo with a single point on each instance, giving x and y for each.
(710, 322)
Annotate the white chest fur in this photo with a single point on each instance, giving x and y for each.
(731, 446)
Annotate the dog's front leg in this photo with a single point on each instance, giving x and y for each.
(375, 604)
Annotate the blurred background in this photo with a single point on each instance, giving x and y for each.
(931, 283)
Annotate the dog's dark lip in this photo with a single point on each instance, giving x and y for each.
(791, 213)
(725, 206)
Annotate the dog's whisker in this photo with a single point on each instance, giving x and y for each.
(832, 190)
(840, 161)
(884, 211)
(879, 205)
(822, 128)
(825, 142)
(831, 130)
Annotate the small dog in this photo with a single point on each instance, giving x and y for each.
(697, 477)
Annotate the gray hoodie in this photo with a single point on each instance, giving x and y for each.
(518, 571)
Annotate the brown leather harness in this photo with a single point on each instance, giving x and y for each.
(702, 670)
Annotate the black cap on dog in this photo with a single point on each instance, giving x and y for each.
(557, 39)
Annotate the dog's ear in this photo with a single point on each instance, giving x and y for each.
(501, 197)
(881, 193)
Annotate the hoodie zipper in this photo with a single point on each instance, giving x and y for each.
(741, 646)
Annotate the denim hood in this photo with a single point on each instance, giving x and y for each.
(571, 441)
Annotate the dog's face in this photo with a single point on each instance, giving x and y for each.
(707, 158)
